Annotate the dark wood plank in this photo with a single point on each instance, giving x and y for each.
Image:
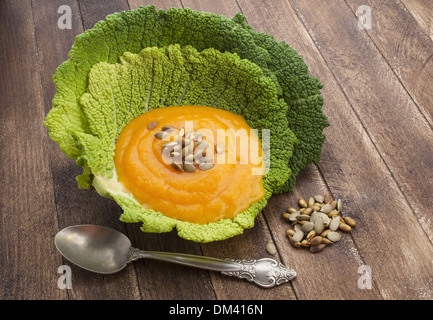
(162, 4)
(73, 205)
(28, 256)
(372, 158)
(422, 11)
(226, 8)
(406, 47)
(339, 263)
(93, 11)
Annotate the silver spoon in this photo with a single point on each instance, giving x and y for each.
(105, 250)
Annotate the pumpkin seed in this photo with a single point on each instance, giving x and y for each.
(316, 241)
(189, 135)
(189, 167)
(174, 154)
(164, 128)
(314, 216)
(319, 226)
(189, 158)
(152, 125)
(202, 144)
(186, 142)
(303, 217)
(161, 134)
(293, 243)
(324, 217)
(307, 227)
(318, 248)
(294, 215)
(327, 208)
(205, 166)
(339, 205)
(311, 201)
(345, 227)
(305, 244)
(334, 236)
(219, 148)
(333, 214)
(286, 216)
(270, 248)
(325, 233)
(207, 159)
(297, 227)
(199, 152)
(177, 166)
(297, 237)
(170, 144)
(311, 234)
(291, 210)
(302, 203)
(328, 198)
(335, 222)
(351, 222)
(290, 232)
(334, 204)
(326, 240)
(307, 211)
(198, 137)
(319, 198)
(186, 151)
(315, 207)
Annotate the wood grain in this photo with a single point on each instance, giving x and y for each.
(74, 206)
(227, 8)
(406, 47)
(28, 222)
(422, 11)
(380, 181)
(93, 11)
(161, 4)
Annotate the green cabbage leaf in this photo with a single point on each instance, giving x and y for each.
(167, 76)
(142, 59)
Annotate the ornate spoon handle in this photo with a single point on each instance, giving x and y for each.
(264, 272)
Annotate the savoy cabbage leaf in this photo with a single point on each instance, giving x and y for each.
(175, 75)
(210, 60)
(133, 30)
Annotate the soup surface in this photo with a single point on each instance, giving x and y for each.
(192, 163)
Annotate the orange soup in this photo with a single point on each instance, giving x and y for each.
(192, 163)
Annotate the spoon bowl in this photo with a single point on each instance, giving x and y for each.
(95, 248)
(105, 250)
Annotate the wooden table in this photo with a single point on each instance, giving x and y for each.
(377, 158)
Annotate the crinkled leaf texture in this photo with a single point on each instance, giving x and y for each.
(175, 75)
(133, 30)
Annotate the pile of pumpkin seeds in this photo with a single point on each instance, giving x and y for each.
(317, 222)
(188, 151)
